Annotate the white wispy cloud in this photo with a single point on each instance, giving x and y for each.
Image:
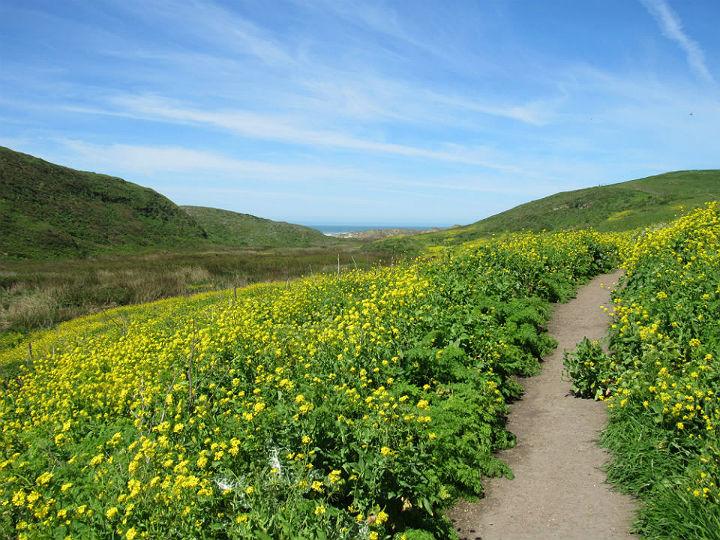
(15, 143)
(374, 16)
(538, 112)
(227, 195)
(149, 160)
(152, 159)
(671, 26)
(363, 90)
(212, 23)
(256, 125)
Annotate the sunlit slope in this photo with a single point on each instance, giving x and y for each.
(244, 230)
(47, 210)
(615, 207)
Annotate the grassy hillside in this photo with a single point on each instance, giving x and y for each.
(51, 211)
(616, 207)
(243, 230)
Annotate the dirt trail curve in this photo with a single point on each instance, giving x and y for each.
(558, 491)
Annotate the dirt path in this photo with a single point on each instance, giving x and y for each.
(558, 491)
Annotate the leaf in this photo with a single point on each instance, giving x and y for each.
(427, 506)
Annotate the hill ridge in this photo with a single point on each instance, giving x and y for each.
(686, 188)
(50, 210)
(622, 206)
(53, 211)
(239, 229)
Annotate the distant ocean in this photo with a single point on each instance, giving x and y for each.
(333, 230)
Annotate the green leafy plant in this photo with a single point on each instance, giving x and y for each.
(584, 367)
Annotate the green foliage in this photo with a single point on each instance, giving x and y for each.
(584, 367)
(243, 230)
(51, 211)
(649, 462)
(415, 534)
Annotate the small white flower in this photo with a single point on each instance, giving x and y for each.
(275, 461)
(225, 483)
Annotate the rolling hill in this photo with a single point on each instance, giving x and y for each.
(51, 211)
(616, 207)
(243, 230)
(47, 210)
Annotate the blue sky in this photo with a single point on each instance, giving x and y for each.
(337, 111)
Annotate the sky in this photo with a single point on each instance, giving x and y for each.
(352, 112)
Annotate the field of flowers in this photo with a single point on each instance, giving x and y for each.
(357, 406)
(663, 380)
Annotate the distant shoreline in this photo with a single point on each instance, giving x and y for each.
(337, 230)
(369, 235)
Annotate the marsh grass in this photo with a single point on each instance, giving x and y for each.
(41, 294)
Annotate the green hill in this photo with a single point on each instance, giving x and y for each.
(243, 230)
(615, 207)
(51, 211)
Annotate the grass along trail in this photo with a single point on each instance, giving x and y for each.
(558, 490)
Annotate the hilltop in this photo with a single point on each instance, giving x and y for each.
(615, 207)
(47, 210)
(244, 230)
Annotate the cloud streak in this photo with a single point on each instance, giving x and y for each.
(286, 129)
(151, 160)
(671, 26)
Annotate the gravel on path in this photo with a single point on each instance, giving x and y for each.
(559, 491)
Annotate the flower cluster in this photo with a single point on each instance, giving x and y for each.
(343, 407)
